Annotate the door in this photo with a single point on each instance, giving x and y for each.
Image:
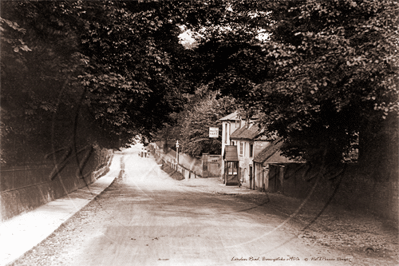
(251, 178)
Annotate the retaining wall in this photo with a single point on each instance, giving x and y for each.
(25, 188)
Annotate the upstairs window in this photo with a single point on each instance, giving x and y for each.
(225, 133)
(241, 148)
(251, 150)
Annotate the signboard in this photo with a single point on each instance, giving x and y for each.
(213, 132)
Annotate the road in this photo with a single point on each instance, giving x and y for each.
(147, 218)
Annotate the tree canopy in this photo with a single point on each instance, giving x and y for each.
(325, 77)
(97, 72)
(333, 75)
(202, 112)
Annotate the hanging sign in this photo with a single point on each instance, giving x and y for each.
(213, 132)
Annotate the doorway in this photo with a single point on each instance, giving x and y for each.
(251, 178)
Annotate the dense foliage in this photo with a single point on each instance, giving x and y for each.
(84, 73)
(204, 112)
(326, 79)
(226, 58)
(333, 77)
(100, 72)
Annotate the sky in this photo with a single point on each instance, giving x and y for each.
(187, 40)
(186, 37)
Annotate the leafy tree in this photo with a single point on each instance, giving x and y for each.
(228, 54)
(113, 69)
(87, 72)
(327, 74)
(35, 71)
(132, 85)
(203, 112)
(326, 79)
(333, 77)
(227, 57)
(170, 131)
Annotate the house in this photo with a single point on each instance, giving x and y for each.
(270, 155)
(244, 138)
(230, 123)
(244, 135)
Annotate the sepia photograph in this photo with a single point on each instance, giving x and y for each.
(199, 132)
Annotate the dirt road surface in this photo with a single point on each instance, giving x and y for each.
(147, 218)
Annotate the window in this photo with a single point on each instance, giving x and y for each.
(225, 133)
(251, 150)
(232, 168)
(241, 148)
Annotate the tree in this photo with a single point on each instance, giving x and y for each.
(203, 112)
(228, 54)
(106, 69)
(132, 85)
(333, 76)
(35, 71)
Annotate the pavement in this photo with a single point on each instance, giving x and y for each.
(20, 234)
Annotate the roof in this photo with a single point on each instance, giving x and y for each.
(246, 133)
(272, 153)
(233, 116)
(262, 137)
(230, 153)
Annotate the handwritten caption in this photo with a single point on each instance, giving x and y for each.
(290, 259)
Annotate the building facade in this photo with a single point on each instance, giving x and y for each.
(244, 139)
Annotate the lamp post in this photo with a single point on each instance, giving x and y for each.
(177, 152)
